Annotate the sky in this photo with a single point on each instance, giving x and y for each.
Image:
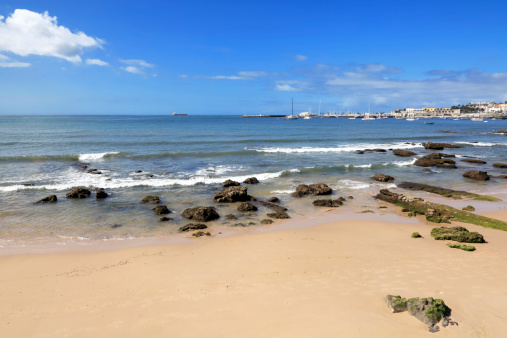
(249, 57)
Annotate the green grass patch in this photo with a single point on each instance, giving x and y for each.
(461, 246)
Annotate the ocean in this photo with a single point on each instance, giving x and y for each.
(184, 160)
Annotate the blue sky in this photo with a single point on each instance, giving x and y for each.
(236, 57)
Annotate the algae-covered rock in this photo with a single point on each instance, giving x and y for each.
(200, 234)
(328, 203)
(458, 234)
(192, 226)
(266, 221)
(468, 208)
(428, 310)
(312, 189)
(461, 246)
(416, 235)
(200, 214)
(279, 215)
(396, 303)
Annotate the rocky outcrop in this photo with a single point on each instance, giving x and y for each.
(161, 210)
(439, 146)
(279, 215)
(437, 160)
(272, 206)
(200, 214)
(470, 160)
(231, 195)
(328, 203)
(456, 194)
(230, 217)
(502, 131)
(274, 199)
(477, 175)
(245, 207)
(79, 193)
(428, 310)
(382, 178)
(403, 152)
(230, 183)
(101, 193)
(251, 180)
(458, 234)
(151, 199)
(266, 221)
(312, 189)
(191, 226)
(48, 199)
(500, 165)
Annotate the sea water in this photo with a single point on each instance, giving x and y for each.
(184, 160)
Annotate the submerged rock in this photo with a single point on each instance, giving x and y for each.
(231, 195)
(200, 214)
(274, 199)
(161, 210)
(469, 160)
(382, 178)
(101, 193)
(245, 206)
(328, 203)
(151, 199)
(403, 152)
(48, 199)
(230, 183)
(500, 165)
(192, 226)
(477, 175)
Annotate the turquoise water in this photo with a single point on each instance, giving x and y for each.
(185, 159)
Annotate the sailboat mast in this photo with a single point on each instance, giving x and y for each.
(292, 113)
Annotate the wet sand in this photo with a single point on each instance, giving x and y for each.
(326, 280)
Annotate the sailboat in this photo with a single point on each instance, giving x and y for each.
(291, 116)
(367, 117)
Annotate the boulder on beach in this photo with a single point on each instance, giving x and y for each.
(151, 199)
(101, 193)
(48, 199)
(312, 189)
(245, 207)
(251, 180)
(191, 226)
(231, 195)
(79, 193)
(230, 183)
(161, 210)
(279, 215)
(328, 203)
(403, 152)
(200, 214)
(382, 178)
(477, 175)
(428, 310)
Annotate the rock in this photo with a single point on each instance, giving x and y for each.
(200, 234)
(48, 199)
(165, 219)
(230, 217)
(161, 210)
(274, 200)
(231, 195)
(360, 152)
(245, 206)
(192, 226)
(279, 215)
(502, 131)
(350, 197)
(230, 183)
(138, 171)
(312, 189)
(428, 310)
(101, 193)
(151, 199)
(403, 153)
(200, 214)
(477, 175)
(91, 171)
(266, 221)
(396, 303)
(500, 165)
(272, 206)
(448, 131)
(251, 180)
(458, 234)
(436, 160)
(473, 161)
(382, 178)
(378, 150)
(78, 193)
(328, 203)
(438, 146)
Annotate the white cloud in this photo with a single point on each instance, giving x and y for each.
(224, 77)
(132, 69)
(242, 75)
(183, 76)
(138, 63)
(286, 88)
(6, 62)
(253, 73)
(378, 68)
(300, 57)
(96, 62)
(30, 33)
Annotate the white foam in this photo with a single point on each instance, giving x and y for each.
(482, 144)
(403, 163)
(350, 184)
(282, 191)
(337, 149)
(360, 165)
(95, 156)
(219, 170)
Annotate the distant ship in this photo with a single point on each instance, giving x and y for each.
(175, 114)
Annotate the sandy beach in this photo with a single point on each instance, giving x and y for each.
(326, 280)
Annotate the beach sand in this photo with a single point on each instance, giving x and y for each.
(327, 280)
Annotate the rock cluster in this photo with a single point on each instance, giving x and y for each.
(312, 189)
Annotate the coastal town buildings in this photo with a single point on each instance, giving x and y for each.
(470, 110)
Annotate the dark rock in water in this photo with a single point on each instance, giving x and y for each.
(192, 226)
(447, 165)
(151, 199)
(448, 131)
(378, 150)
(89, 171)
(436, 160)
(477, 175)
(138, 171)
(438, 155)
(438, 146)
(500, 165)
(251, 180)
(382, 178)
(279, 215)
(473, 161)
(114, 226)
(327, 203)
(200, 214)
(266, 221)
(274, 200)
(350, 197)
(161, 210)
(274, 207)
(78, 193)
(502, 131)
(230, 183)
(360, 152)
(231, 195)
(403, 153)
(312, 189)
(245, 206)
(101, 193)
(230, 217)
(165, 219)
(48, 199)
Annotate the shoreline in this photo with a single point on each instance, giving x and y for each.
(327, 279)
